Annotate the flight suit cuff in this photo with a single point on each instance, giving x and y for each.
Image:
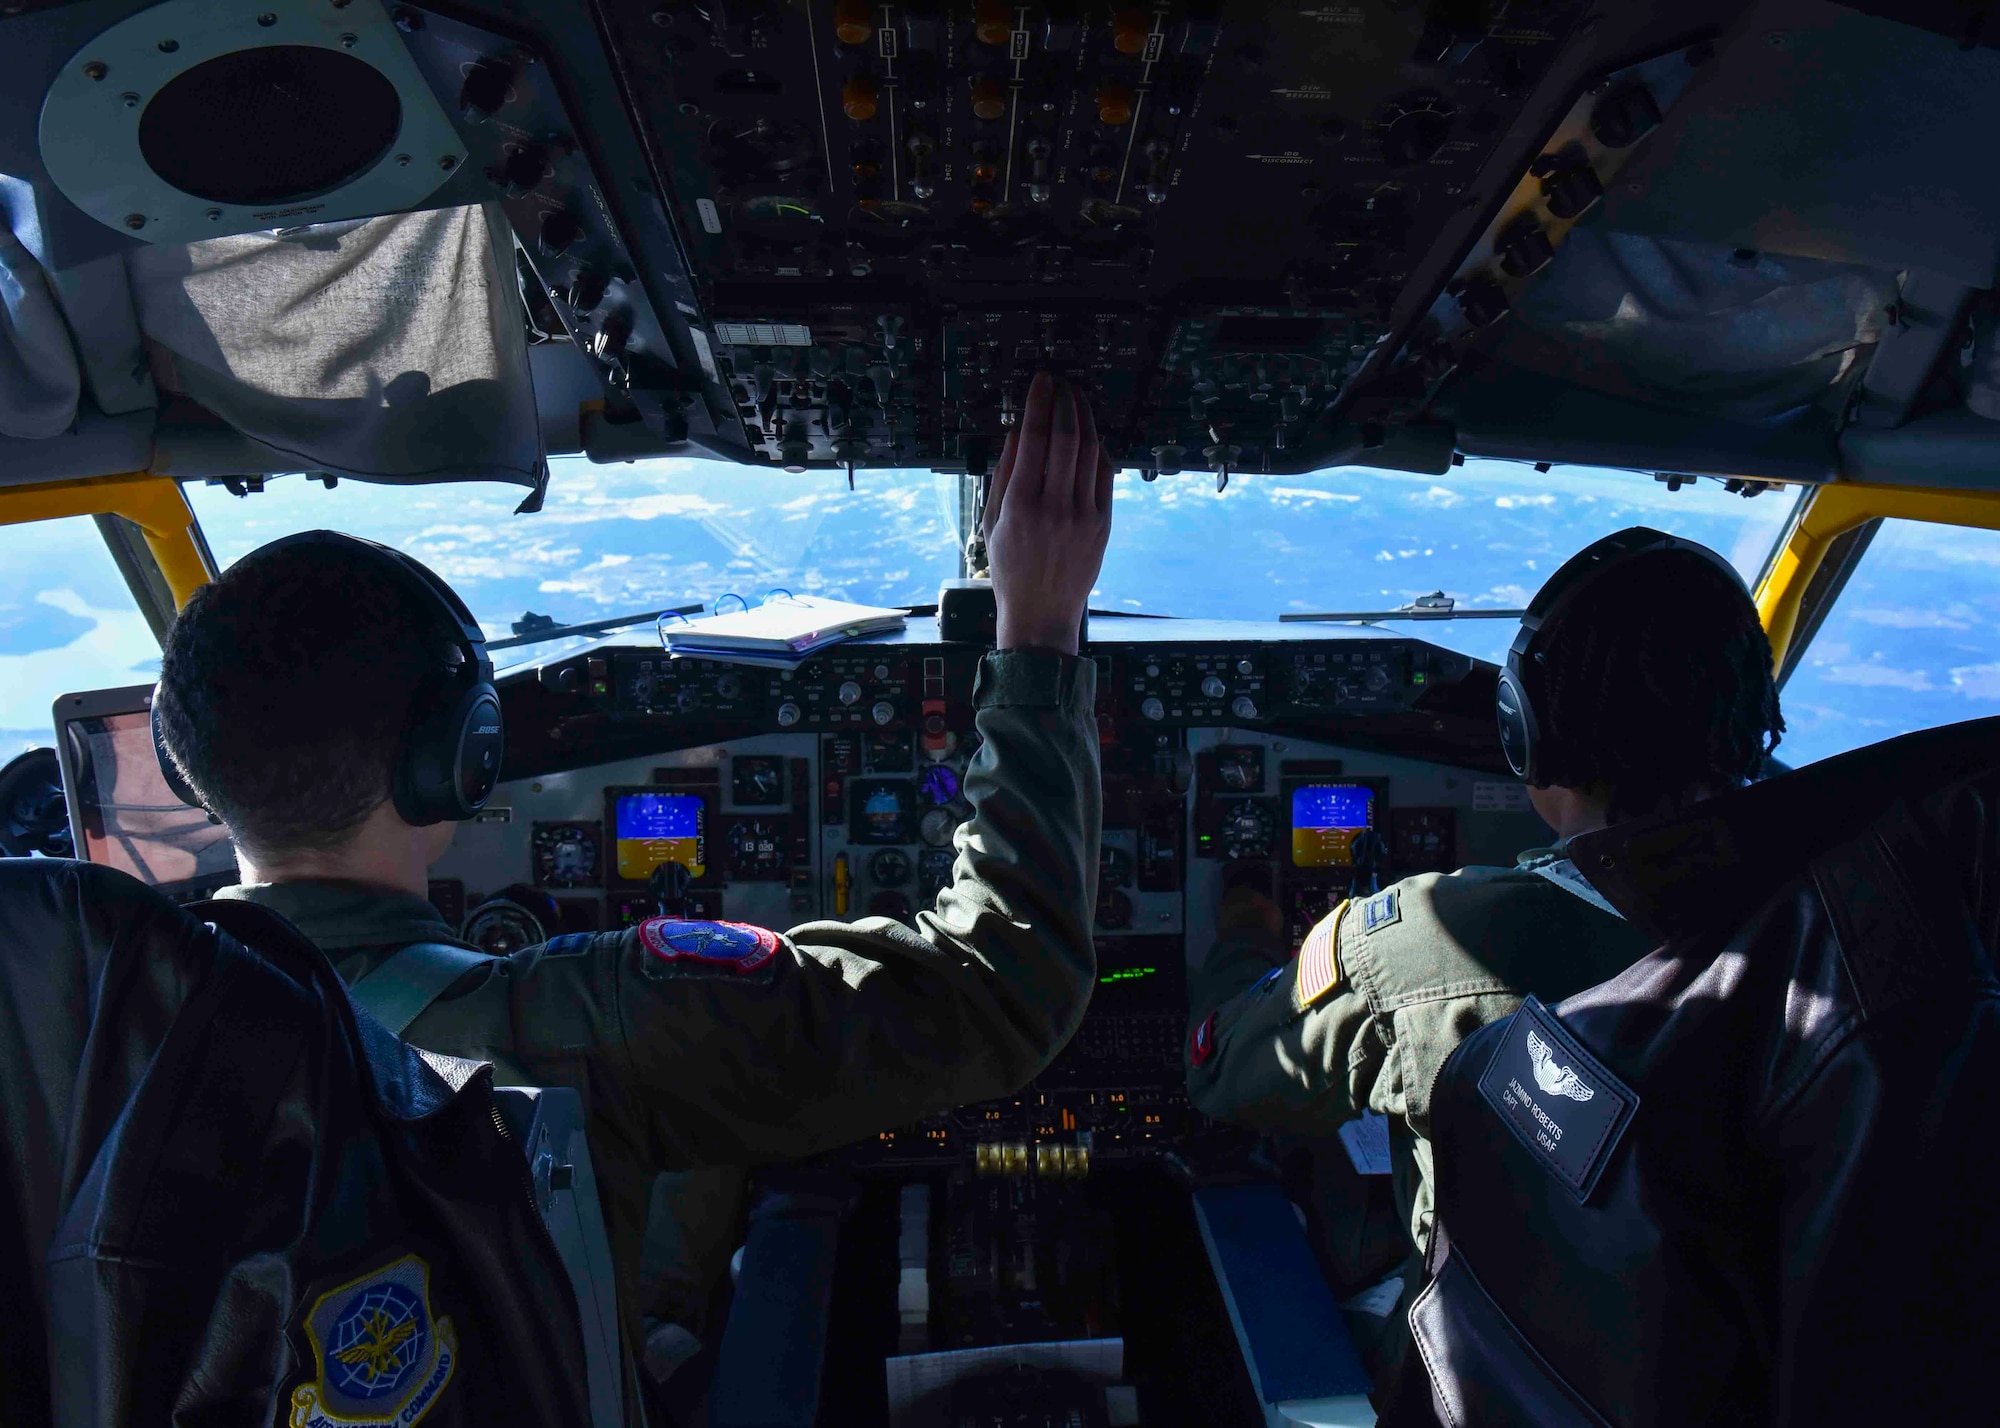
(1034, 679)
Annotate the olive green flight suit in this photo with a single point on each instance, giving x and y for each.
(850, 1029)
(1366, 1020)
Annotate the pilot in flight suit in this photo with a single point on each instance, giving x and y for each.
(775, 1046)
(692, 1044)
(1653, 690)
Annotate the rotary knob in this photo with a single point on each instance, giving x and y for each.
(1151, 707)
(1414, 128)
(729, 686)
(788, 714)
(850, 692)
(1244, 707)
(882, 711)
(1213, 687)
(1244, 666)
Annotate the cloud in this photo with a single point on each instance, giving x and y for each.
(1308, 493)
(1440, 496)
(1954, 617)
(1873, 675)
(118, 648)
(1513, 503)
(1977, 681)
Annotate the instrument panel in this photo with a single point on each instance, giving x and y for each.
(1308, 768)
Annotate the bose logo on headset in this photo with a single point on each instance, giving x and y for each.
(1516, 703)
(451, 754)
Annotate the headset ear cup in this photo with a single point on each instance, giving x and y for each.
(1519, 727)
(169, 770)
(451, 759)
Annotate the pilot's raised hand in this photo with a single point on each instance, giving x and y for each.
(1048, 516)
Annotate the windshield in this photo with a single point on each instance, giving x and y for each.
(616, 540)
(1912, 642)
(1488, 534)
(67, 623)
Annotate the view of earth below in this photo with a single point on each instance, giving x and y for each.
(1911, 643)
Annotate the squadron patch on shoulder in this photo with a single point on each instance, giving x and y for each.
(1381, 910)
(1319, 962)
(734, 947)
(1201, 1046)
(380, 1357)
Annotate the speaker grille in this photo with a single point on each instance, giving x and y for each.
(272, 125)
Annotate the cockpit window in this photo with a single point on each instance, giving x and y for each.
(67, 622)
(1487, 534)
(1912, 642)
(614, 540)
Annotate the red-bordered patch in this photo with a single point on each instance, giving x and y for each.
(728, 946)
(1201, 1046)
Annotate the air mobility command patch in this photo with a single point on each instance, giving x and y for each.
(1319, 962)
(733, 948)
(380, 1357)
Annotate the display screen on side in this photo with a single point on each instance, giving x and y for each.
(131, 819)
(657, 828)
(1325, 819)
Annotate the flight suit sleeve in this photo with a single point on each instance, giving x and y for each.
(715, 1043)
(1298, 1050)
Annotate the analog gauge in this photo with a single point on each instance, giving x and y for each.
(1247, 830)
(748, 150)
(502, 926)
(939, 784)
(889, 904)
(565, 855)
(934, 871)
(757, 780)
(1114, 910)
(890, 868)
(757, 849)
(937, 826)
(1114, 867)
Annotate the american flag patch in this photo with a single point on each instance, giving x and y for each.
(1319, 961)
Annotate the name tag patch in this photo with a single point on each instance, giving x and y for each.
(734, 947)
(1558, 1100)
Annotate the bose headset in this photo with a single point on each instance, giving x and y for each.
(1519, 700)
(450, 755)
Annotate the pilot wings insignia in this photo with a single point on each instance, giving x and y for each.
(1554, 1079)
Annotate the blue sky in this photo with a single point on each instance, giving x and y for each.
(1912, 642)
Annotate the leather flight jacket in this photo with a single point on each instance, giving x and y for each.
(1751, 1178)
(239, 1201)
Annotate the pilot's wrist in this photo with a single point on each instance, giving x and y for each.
(1058, 637)
(1034, 679)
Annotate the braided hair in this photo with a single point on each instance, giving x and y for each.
(1656, 684)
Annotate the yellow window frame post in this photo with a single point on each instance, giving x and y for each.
(155, 504)
(1831, 511)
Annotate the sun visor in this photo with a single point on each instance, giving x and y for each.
(388, 349)
(39, 380)
(1698, 327)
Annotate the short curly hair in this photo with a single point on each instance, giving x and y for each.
(286, 688)
(1656, 684)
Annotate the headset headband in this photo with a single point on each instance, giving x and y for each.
(411, 571)
(1518, 701)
